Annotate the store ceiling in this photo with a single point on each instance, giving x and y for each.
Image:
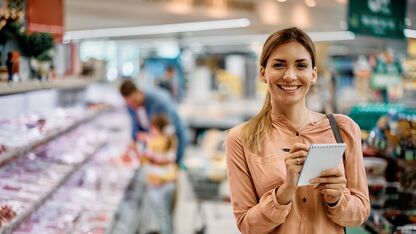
(91, 14)
(266, 15)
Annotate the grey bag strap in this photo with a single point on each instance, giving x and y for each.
(335, 130)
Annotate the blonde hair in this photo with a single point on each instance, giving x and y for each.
(258, 127)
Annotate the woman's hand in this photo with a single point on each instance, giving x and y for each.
(294, 162)
(331, 183)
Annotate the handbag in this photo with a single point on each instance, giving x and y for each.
(337, 134)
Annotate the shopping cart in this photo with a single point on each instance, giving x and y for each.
(204, 189)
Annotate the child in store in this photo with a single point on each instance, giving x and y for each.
(158, 157)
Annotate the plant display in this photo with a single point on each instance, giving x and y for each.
(36, 45)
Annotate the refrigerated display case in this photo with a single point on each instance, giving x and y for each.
(64, 164)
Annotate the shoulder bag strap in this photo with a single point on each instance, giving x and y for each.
(335, 130)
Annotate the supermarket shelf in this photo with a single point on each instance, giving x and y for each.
(11, 155)
(9, 227)
(30, 86)
(120, 192)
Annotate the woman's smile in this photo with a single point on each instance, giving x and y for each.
(289, 88)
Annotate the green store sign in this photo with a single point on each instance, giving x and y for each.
(381, 18)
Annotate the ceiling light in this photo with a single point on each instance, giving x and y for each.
(218, 9)
(300, 16)
(342, 1)
(269, 12)
(181, 7)
(310, 3)
(156, 29)
(281, 0)
(332, 36)
(410, 33)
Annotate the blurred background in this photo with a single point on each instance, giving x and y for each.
(65, 153)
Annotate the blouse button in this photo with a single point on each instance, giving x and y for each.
(304, 199)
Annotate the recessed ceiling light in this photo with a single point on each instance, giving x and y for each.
(269, 12)
(300, 16)
(310, 3)
(179, 6)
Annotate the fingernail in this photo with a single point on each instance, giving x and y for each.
(312, 181)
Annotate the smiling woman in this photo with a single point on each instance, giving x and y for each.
(263, 178)
(289, 73)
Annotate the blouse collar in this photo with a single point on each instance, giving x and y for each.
(282, 121)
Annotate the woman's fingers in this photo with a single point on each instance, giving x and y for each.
(294, 161)
(297, 154)
(299, 146)
(298, 160)
(330, 186)
(331, 172)
(297, 157)
(329, 180)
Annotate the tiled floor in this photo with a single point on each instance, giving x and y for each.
(219, 217)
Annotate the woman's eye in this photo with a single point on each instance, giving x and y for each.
(279, 65)
(302, 65)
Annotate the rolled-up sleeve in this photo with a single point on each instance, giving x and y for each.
(253, 214)
(353, 208)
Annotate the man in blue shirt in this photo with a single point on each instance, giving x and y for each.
(142, 106)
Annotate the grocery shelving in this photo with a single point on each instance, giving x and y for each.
(14, 153)
(20, 218)
(92, 189)
(8, 227)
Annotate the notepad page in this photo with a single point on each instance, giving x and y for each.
(320, 157)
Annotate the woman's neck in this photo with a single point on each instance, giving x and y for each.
(297, 115)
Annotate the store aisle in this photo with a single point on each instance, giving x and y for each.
(220, 219)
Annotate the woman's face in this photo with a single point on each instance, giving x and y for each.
(289, 74)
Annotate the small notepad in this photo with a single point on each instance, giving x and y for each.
(320, 157)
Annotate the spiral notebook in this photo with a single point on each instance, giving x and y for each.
(320, 157)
